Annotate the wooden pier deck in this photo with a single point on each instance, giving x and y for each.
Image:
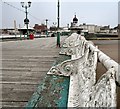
(24, 65)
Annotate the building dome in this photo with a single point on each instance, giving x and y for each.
(75, 20)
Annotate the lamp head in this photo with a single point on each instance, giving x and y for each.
(29, 4)
(22, 3)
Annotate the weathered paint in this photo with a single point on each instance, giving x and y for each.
(62, 102)
(52, 92)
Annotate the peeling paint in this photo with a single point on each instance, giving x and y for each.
(52, 92)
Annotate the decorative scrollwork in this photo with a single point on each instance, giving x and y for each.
(68, 67)
(65, 69)
(68, 51)
(64, 45)
(72, 44)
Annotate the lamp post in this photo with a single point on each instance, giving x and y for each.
(58, 14)
(26, 20)
(58, 33)
(46, 27)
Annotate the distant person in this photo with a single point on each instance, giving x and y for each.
(31, 36)
(79, 32)
(53, 35)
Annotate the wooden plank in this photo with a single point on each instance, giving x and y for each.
(18, 96)
(12, 105)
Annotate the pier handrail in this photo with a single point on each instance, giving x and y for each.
(108, 62)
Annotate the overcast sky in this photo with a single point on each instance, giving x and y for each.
(99, 13)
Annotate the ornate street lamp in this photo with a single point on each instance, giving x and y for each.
(26, 20)
(58, 33)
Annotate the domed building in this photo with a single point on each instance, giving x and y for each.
(75, 21)
(74, 25)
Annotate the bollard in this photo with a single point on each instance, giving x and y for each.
(46, 33)
(58, 39)
(20, 37)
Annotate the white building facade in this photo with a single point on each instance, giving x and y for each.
(91, 28)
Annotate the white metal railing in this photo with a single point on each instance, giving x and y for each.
(84, 90)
